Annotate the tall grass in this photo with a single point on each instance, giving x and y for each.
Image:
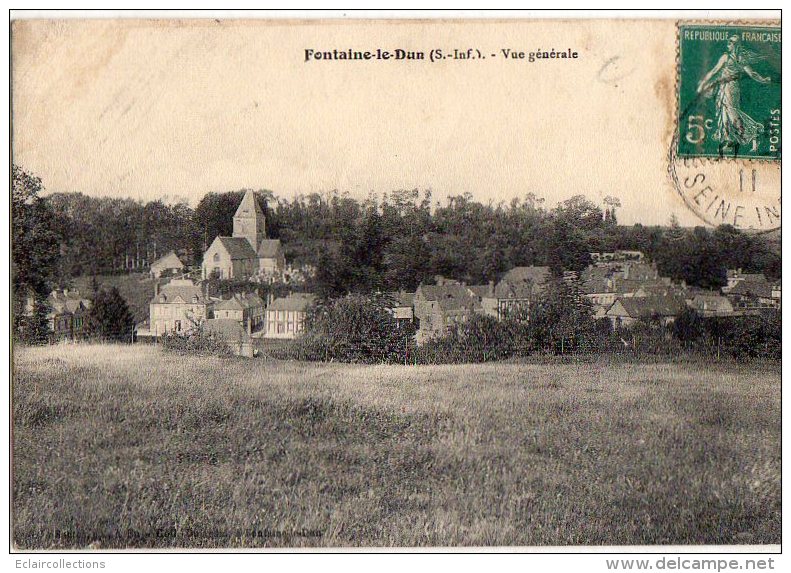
(117, 446)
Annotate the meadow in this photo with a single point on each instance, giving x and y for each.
(130, 447)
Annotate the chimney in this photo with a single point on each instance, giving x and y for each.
(491, 288)
(156, 288)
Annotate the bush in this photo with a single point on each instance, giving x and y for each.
(355, 328)
(743, 338)
(110, 317)
(197, 342)
(479, 339)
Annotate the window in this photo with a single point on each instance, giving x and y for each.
(178, 326)
(216, 259)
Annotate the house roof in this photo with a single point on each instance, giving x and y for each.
(237, 247)
(175, 290)
(269, 248)
(596, 280)
(402, 298)
(71, 302)
(228, 328)
(648, 306)
(451, 297)
(232, 303)
(752, 288)
(712, 302)
(755, 277)
(640, 271)
(249, 206)
(295, 302)
(522, 282)
(169, 261)
(240, 302)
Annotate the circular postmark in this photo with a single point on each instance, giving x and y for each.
(743, 193)
(724, 157)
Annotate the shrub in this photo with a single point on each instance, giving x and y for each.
(479, 339)
(355, 328)
(743, 338)
(196, 342)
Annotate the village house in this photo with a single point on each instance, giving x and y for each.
(245, 308)
(67, 315)
(515, 291)
(170, 264)
(711, 304)
(597, 283)
(402, 308)
(285, 316)
(248, 253)
(627, 311)
(177, 308)
(754, 294)
(736, 276)
(439, 307)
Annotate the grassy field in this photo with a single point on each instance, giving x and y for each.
(128, 447)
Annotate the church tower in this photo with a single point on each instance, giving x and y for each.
(249, 221)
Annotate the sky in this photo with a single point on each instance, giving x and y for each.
(176, 109)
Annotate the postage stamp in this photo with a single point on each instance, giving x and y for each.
(725, 152)
(729, 91)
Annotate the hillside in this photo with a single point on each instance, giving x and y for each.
(137, 289)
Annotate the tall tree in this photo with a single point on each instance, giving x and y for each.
(34, 255)
(110, 317)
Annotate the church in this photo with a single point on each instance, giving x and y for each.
(248, 253)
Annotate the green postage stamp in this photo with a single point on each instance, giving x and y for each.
(729, 91)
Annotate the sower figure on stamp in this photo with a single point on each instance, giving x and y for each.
(734, 127)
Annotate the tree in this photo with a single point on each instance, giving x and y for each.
(35, 251)
(110, 317)
(612, 203)
(356, 328)
(561, 319)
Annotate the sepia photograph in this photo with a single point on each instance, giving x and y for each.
(422, 283)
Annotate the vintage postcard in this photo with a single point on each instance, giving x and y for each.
(382, 283)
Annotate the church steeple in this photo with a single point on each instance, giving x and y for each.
(249, 221)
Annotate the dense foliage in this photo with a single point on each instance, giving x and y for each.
(196, 342)
(35, 239)
(109, 318)
(397, 240)
(355, 328)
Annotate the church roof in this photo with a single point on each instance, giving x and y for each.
(249, 206)
(237, 247)
(269, 248)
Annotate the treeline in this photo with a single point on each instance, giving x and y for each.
(394, 241)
